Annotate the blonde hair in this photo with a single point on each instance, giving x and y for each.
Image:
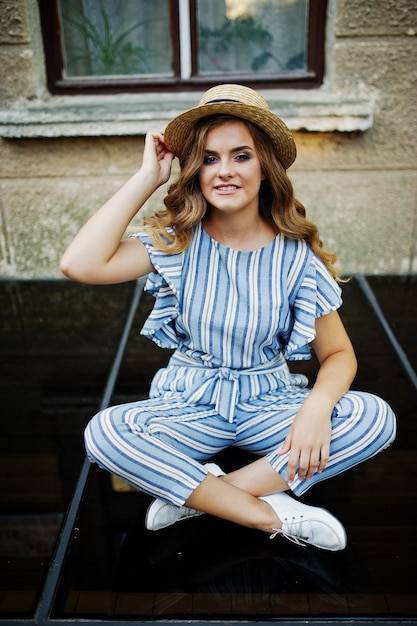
(171, 230)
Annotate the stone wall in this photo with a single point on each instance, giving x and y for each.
(356, 170)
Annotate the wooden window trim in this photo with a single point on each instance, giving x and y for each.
(312, 78)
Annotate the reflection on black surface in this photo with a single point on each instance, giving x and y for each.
(397, 296)
(205, 566)
(58, 341)
(202, 558)
(207, 555)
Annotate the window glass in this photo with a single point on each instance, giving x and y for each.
(115, 38)
(116, 46)
(252, 36)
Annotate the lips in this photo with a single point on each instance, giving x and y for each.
(226, 188)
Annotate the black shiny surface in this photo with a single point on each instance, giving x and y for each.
(58, 343)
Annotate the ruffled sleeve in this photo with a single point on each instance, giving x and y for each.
(315, 294)
(164, 283)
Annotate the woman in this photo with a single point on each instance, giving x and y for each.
(242, 284)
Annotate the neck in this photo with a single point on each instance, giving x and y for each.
(239, 233)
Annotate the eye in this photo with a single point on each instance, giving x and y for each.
(209, 159)
(242, 156)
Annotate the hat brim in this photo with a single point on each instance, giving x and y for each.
(178, 132)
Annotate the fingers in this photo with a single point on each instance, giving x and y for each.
(157, 159)
(156, 141)
(306, 463)
(308, 469)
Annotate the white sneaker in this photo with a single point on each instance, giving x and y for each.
(161, 514)
(304, 524)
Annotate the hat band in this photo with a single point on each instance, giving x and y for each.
(222, 100)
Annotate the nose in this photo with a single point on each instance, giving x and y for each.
(225, 168)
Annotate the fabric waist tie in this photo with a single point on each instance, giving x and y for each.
(222, 384)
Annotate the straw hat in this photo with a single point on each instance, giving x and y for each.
(235, 100)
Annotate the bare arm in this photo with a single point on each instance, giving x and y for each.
(309, 437)
(98, 254)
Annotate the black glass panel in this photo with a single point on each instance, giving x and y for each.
(57, 345)
(397, 296)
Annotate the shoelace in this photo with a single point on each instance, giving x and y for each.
(294, 531)
(188, 512)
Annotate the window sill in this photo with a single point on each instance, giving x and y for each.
(132, 114)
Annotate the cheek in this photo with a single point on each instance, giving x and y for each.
(203, 184)
(203, 178)
(258, 175)
(261, 173)
(256, 172)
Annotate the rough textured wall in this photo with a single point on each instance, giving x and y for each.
(361, 187)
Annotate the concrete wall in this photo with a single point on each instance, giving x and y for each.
(359, 185)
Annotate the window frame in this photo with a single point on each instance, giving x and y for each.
(58, 85)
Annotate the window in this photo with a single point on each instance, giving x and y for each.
(110, 46)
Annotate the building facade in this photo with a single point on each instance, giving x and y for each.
(63, 154)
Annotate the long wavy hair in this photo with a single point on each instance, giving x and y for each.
(185, 206)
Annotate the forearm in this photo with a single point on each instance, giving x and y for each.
(333, 380)
(98, 240)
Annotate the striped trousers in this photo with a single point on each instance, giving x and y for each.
(159, 445)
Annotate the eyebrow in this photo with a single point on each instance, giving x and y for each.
(238, 149)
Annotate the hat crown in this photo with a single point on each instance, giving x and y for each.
(234, 93)
(241, 102)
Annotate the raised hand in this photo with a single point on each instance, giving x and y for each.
(157, 159)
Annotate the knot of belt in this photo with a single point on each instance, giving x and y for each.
(222, 384)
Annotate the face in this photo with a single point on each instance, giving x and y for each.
(231, 174)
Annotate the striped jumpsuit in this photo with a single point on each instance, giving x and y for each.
(234, 318)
